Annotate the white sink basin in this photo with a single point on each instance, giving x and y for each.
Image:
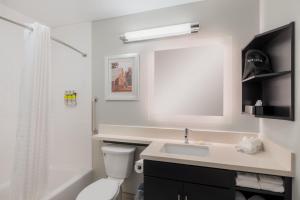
(185, 149)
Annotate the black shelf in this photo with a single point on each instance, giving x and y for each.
(276, 89)
(272, 117)
(261, 39)
(262, 77)
(257, 191)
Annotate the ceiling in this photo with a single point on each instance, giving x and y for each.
(62, 12)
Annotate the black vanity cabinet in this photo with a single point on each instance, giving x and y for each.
(167, 181)
(171, 181)
(163, 189)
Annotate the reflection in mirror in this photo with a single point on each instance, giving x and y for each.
(189, 81)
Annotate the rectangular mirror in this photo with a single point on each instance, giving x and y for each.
(189, 81)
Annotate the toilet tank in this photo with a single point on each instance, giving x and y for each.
(118, 160)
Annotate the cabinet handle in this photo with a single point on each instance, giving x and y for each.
(178, 197)
(185, 197)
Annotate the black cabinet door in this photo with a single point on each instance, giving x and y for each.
(191, 174)
(162, 189)
(200, 192)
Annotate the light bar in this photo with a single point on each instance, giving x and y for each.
(160, 32)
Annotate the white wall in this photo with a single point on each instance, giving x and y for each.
(11, 60)
(276, 13)
(70, 131)
(70, 144)
(232, 20)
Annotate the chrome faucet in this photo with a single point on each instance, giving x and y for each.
(186, 136)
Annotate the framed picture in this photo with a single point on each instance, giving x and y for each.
(122, 77)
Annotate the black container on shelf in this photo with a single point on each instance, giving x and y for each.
(259, 110)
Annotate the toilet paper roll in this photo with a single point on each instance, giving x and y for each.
(139, 166)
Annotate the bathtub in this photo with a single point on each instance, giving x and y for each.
(63, 184)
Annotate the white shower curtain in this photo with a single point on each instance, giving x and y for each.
(29, 177)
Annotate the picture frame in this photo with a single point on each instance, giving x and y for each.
(122, 77)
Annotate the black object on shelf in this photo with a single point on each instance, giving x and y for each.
(256, 62)
(259, 110)
(276, 89)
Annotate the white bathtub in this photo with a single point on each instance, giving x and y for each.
(64, 184)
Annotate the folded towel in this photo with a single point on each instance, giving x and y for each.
(256, 197)
(247, 176)
(271, 187)
(276, 180)
(250, 145)
(239, 196)
(247, 183)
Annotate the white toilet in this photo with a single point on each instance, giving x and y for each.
(118, 161)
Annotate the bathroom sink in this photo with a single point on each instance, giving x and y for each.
(185, 149)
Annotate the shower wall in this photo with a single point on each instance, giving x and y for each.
(70, 132)
(71, 126)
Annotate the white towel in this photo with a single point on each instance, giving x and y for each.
(256, 197)
(248, 184)
(271, 187)
(276, 180)
(239, 196)
(247, 176)
(250, 145)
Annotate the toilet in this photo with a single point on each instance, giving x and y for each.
(118, 161)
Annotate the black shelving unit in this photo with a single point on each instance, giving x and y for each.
(263, 77)
(275, 89)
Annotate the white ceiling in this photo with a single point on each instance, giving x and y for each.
(63, 12)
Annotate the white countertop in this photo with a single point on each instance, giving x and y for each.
(275, 160)
(222, 156)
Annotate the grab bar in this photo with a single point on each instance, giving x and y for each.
(94, 127)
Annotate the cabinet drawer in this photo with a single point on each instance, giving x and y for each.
(188, 173)
(162, 189)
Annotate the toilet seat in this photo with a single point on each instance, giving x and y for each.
(104, 189)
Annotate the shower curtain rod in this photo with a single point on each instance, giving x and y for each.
(54, 39)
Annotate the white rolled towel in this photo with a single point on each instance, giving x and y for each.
(239, 196)
(271, 187)
(247, 176)
(276, 180)
(257, 197)
(248, 180)
(248, 184)
(139, 166)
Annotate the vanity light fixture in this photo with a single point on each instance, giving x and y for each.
(160, 32)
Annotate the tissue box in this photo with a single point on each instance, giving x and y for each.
(250, 109)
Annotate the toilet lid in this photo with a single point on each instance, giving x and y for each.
(104, 189)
